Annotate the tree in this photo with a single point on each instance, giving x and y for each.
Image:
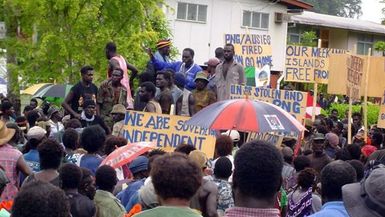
(342, 8)
(50, 40)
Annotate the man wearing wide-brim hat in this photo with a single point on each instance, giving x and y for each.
(202, 95)
(118, 113)
(12, 161)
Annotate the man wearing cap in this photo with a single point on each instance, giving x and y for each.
(318, 159)
(211, 66)
(57, 127)
(203, 96)
(163, 53)
(111, 92)
(118, 113)
(35, 136)
(185, 105)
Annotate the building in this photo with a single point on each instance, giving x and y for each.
(337, 32)
(202, 24)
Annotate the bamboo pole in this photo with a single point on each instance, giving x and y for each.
(315, 91)
(365, 106)
(350, 107)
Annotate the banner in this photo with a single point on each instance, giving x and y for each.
(262, 77)
(276, 140)
(293, 102)
(381, 115)
(308, 64)
(167, 131)
(355, 66)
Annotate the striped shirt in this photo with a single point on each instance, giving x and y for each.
(251, 212)
(8, 160)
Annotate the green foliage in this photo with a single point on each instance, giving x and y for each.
(342, 8)
(309, 39)
(52, 39)
(373, 111)
(380, 46)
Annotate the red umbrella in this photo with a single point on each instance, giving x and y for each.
(127, 153)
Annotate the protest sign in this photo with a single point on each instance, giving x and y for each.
(167, 131)
(355, 66)
(308, 64)
(276, 140)
(251, 50)
(293, 102)
(381, 115)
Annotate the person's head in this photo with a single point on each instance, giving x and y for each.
(201, 81)
(301, 162)
(152, 155)
(184, 148)
(377, 139)
(73, 123)
(188, 56)
(257, 173)
(306, 178)
(212, 65)
(139, 167)
(40, 199)
(163, 79)
(219, 53)
(26, 110)
(18, 133)
(118, 112)
(116, 76)
(7, 109)
(54, 114)
(70, 176)
(318, 144)
(357, 119)
(112, 143)
(223, 168)
(146, 76)
(147, 91)
(200, 158)
(359, 167)
(105, 178)
(332, 140)
(89, 107)
(223, 146)
(71, 139)
(334, 114)
(50, 154)
(92, 138)
(333, 176)
(287, 154)
(32, 117)
(35, 136)
(87, 186)
(110, 50)
(163, 47)
(33, 103)
(228, 51)
(87, 73)
(179, 80)
(175, 176)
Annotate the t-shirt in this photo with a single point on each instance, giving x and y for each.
(225, 195)
(81, 93)
(81, 206)
(96, 121)
(125, 195)
(169, 211)
(91, 162)
(32, 160)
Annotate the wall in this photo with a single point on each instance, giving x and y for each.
(225, 16)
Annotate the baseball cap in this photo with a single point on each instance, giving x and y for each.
(118, 109)
(199, 157)
(36, 132)
(234, 135)
(319, 136)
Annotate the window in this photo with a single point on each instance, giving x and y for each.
(364, 42)
(192, 12)
(255, 20)
(293, 36)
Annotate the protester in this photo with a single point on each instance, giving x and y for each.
(35, 136)
(139, 105)
(222, 172)
(71, 143)
(118, 113)
(331, 146)
(224, 148)
(256, 180)
(87, 186)
(185, 105)
(50, 156)
(111, 93)
(147, 94)
(163, 53)
(90, 118)
(12, 161)
(107, 205)
(32, 118)
(70, 177)
(227, 73)
(377, 140)
(18, 139)
(319, 158)
(334, 115)
(7, 112)
(202, 95)
(288, 170)
(41, 199)
(211, 66)
(333, 176)
(164, 98)
(112, 143)
(176, 179)
(359, 168)
(57, 127)
(33, 103)
(219, 53)
(175, 90)
(184, 148)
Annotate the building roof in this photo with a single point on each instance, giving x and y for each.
(295, 4)
(323, 20)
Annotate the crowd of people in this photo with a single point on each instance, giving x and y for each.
(51, 160)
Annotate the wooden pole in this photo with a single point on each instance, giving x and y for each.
(365, 107)
(350, 107)
(315, 91)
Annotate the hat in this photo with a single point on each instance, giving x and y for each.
(6, 133)
(202, 76)
(366, 198)
(3, 178)
(367, 150)
(332, 138)
(139, 164)
(199, 157)
(213, 62)
(52, 110)
(234, 135)
(318, 136)
(88, 102)
(163, 43)
(36, 132)
(287, 152)
(118, 109)
(179, 79)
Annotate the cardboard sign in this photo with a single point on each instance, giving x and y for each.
(251, 50)
(276, 140)
(355, 66)
(167, 131)
(381, 115)
(294, 102)
(308, 64)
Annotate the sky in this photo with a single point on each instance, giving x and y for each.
(371, 10)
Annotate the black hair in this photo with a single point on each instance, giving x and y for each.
(40, 199)
(357, 114)
(105, 178)
(166, 74)
(73, 123)
(27, 108)
(359, 167)
(335, 175)
(223, 145)
(34, 100)
(230, 45)
(112, 142)
(85, 69)
(377, 139)
(184, 148)
(258, 168)
(223, 168)
(306, 178)
(70, 138)
(152, 155)
(219, 52)
(111, 46)
(6, 106)
(150, 87)
(70, 176)
(50, 154)
(83, 188)
(191, 51)
(146, 76)
(301, 162)
(92, 138)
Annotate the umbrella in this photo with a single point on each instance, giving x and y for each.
(247, 116)
(35, 88)
(54, 90)
(126, 154)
